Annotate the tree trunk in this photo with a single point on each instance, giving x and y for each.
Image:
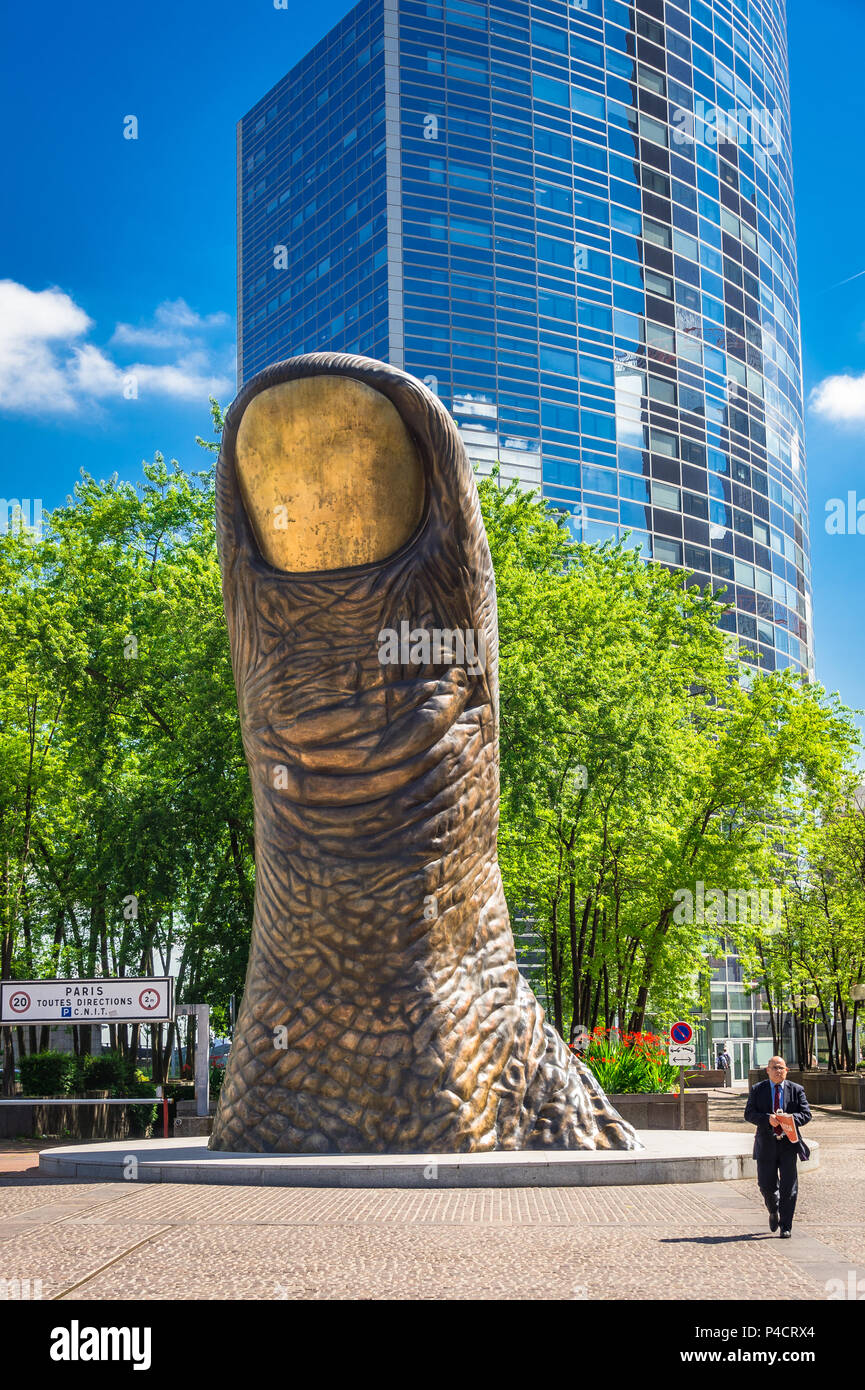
(8, 1063)
(841, 1020)
(556, 966)
(596, 1005)
(572, 933)
(831, 1033)
(589, 1010)
(638, 1013)
(580, 1010)
(6, 974)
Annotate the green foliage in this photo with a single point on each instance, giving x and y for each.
(639, 757)
(107, 1070)
(630, 1062)
(141, 1117)
(125, 807)
(63, 1074)
(816, 947)
(179, 1090)
(48, 1074)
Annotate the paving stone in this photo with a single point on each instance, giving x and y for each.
(705, 1240)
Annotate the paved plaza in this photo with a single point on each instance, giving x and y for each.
(701, 1240)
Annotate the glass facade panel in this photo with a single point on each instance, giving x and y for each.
(579, 221)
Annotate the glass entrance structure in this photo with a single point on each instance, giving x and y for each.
(574, 222)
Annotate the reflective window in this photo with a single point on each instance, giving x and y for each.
(568, 244)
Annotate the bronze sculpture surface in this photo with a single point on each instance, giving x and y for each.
(383, 1010)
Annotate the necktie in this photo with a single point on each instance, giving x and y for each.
(778, 1132)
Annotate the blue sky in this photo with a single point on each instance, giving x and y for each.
(137, 237)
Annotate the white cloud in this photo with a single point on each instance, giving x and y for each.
(188, 379)
(46, 369)
(840, 399)
(172, 324)
(93, 373)
(31, 323)
(44, 314)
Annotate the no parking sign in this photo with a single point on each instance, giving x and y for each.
(683, 1049)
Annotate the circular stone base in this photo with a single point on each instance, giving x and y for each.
(668, 1156)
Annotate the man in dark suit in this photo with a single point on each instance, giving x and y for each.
(776, 1155)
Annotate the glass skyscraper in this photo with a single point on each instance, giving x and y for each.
(574, 222)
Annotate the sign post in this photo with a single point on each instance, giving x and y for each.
(682, 1054)
(160, 1092)
(202, 1054)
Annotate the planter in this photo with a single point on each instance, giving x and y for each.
(91, 1121)
(853, 1094)
(705, 1080)
(821, 1087)
(80, 1123)
(187, 1107)
(187, 1126)
(655, 1110)
(17, 1121)
(187, 1123)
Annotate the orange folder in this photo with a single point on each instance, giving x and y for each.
(788, 1124)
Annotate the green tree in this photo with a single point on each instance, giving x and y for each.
(639, 758)
(125, 810)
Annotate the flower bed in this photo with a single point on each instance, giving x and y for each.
(633, 1063)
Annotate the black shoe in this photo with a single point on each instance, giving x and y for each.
(786, 1233)
(773, 1221)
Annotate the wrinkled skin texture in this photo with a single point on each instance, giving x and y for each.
(367, 1026)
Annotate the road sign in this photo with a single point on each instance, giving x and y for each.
(683, 1055)
(581, 1040)
(681, 1032)
(87, 1001)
